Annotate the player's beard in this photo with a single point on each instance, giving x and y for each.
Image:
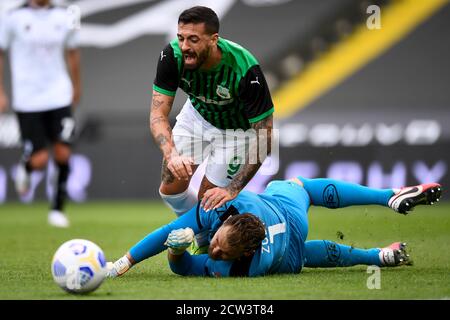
(199, 59)
(40, 3)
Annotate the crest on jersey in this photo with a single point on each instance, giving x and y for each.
(223, 92)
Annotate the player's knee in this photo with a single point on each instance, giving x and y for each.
(62, 153)
(205, 186)
(173, 188)
(39, 159)
(180, 202)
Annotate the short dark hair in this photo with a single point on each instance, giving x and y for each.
(199, 14)
(246, 233)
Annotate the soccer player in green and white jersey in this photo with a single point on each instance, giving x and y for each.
(226, 91)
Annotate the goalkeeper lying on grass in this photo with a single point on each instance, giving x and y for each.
(259, 234)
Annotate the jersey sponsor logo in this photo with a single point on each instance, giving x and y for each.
(219, 103)
(223, 92)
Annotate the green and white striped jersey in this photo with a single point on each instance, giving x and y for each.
(231, 95)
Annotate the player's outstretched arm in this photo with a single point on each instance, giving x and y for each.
(202, 265)
(180, 261)
(178, 241)
(186, 264)
(155, 242)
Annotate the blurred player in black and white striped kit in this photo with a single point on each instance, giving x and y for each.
(45, 68)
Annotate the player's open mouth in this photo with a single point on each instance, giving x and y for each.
(189, 58)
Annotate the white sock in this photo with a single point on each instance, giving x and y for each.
(122, 265)
(182, 202)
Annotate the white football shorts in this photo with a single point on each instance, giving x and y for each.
(224, 150)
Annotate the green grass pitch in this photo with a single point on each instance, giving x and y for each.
(27, 245)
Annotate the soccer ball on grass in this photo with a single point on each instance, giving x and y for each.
(79, 266)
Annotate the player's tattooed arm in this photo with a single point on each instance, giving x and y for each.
(166, 175)
(174, 165)
(259, 149)
(159, 123)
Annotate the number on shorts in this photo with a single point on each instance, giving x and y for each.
(234, 166)
(68, 126)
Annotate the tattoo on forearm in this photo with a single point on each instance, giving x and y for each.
(157, 120)
(243, 177)
(249, 170)
(156, 101)
(267, 125)
(166, 176)
(161, 139)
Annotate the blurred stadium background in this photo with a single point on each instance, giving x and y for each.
(352, 102)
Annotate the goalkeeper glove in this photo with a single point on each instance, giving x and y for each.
(179, 240)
